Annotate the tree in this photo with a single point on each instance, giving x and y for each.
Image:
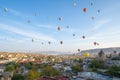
(33, 74)
(18, 77)
(28, 65)
(49, 71)
(114, 71)
(10, 68)
(97, 64)
(77, 68)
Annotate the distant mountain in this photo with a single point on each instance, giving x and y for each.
(96, 51)
(54, 53)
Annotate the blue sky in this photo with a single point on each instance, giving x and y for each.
(16, 33)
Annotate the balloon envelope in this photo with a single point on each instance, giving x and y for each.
(86, 54)
(85, 9)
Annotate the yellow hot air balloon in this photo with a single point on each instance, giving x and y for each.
(86, 54)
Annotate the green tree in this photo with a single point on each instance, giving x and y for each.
(18, 77)
(114, 71)
(77, 68)
(10, 68)
(28, 65)
(97, 64)
(33, 74)
(49, 71)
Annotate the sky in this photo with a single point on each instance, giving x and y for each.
(25, 20)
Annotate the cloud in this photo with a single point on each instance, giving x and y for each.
(45, 26)
(100, 23)
(29, 34)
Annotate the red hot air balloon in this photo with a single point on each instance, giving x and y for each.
(85, 9)
(59, 28)
(95, 43)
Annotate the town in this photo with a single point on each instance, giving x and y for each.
(24, 66)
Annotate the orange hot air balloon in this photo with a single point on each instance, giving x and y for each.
(59, 28)
(85, 9)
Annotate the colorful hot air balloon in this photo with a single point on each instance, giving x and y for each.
(85, 9)
(59, 28)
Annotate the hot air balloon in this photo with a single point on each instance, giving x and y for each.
(67, 26)
(85, 9)
(91, 4)
(78, 50)
(49, 42)
(5, 9)
(61, 42)
(95, 43)
(60, 18)
(86, 54)
(59, 28)
(32, 40)
(74, 4)
(28, 21)
(83, 37)
(35, 14)
(98, 10)
(92, 18)
(73, 34)
(42, 43)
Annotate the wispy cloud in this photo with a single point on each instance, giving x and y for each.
(45, 26)
(29, 34)
(100, 23)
